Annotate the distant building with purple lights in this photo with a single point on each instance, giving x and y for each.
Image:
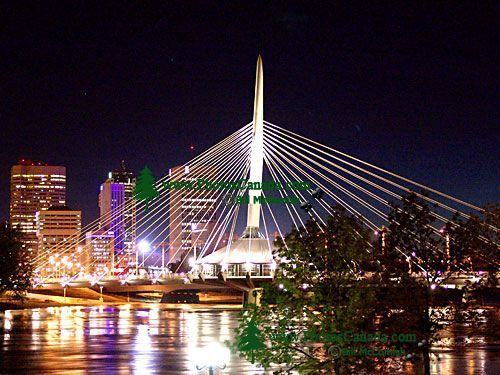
(118, 214)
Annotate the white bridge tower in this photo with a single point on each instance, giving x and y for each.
(251, 254)
(257, 154)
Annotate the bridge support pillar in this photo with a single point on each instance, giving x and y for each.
(253, 296)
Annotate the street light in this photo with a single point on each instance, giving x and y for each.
(195, 230)
(144, 247)
(448, 255)
(162, 259)
(211, 357)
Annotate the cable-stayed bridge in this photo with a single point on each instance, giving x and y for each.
(310, 179)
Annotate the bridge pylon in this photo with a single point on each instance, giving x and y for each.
(250, 255)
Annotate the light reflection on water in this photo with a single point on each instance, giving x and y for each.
(143, 339)
(149, 339)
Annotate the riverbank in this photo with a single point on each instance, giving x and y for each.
(91, 298)
(43, 301)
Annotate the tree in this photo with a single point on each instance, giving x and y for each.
(318, 294)
(16, 271)
(145, 187)
(475, 241)
(412, 235)
(250, 339)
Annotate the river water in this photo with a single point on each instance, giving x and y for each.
(150, 339)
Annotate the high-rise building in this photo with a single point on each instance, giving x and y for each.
(101, 248)
(191, 213)
(118, 214)
(34, 188)
(58, 231)
(111, 207)
(127, 179)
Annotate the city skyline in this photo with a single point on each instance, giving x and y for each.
(379, 98)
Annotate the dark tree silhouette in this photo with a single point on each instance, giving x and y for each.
(317, 292)
(15, 269)
(474, 242)
(415, 232)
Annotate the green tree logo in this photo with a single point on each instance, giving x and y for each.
(145, 187)
(250, 339)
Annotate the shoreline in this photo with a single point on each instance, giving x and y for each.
(40, 301)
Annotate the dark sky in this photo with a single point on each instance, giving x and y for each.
(408, 87)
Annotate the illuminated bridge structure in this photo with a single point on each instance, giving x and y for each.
(260, 147)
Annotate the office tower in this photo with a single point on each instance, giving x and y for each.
(101, 247)
(191, 213)
(127, 179)
(111, 205)
(118, 214)
(58, 232)
(34, 188)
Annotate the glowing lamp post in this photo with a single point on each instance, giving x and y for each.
(448, 255)
(214, 356)
(195, 230)
(162, 259)
(144, 247)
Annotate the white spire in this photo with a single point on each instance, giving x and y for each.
(257, 153)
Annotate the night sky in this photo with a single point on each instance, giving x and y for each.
(410, 88)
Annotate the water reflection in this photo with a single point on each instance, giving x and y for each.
(142, 339)
(143, 359)
(150, 339)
